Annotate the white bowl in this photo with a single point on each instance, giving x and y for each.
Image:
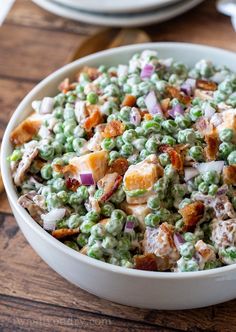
(153, 290)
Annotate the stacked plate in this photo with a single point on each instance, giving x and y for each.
(118, 13)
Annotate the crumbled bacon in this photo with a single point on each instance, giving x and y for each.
(111, 188)
(148, 117)
(94, 118)
(120, 166)
(72, 184)
(64, 232)
(206, 85)
(173, 92)
(114, 128)
(92, 72)
(212, 141)
(176, 157)
(146, 262)
(229, 174)
(192, 214)
(129, 100)
(66, 86)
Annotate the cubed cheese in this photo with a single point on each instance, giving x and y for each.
(142, 175)
(138, 211)
(95, 163)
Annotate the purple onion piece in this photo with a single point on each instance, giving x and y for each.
(178, 240)
(147, 71)
(129, 226)
(176, 110)
(87, 179)
(152, 104)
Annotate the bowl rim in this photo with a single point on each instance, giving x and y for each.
(35, 227)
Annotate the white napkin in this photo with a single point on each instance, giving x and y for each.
(5, 6)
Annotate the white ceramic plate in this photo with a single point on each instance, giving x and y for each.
(126, 20)
(146, 289)
(116, 6)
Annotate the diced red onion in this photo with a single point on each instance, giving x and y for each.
(50, 219)
(211, 166)
(189, 173)
(188, 86)
(135, 116)
(178, 240)
(87, 179)
(222, 190)
(209, 111)
(147, 71)
(129, 226)
(47, 105)
(152, 104)
(176, 110)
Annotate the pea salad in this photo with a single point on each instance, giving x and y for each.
(135, 164)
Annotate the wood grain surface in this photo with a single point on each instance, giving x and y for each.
(33, 43)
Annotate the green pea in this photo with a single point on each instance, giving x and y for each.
(183, 121)
(203, 188)
(74, 221)
(124, 244)
(16, 155)
(160, 187)
(93, 216)
(226, 87)
(225, 149)
(60, 138)
(46, 172)
(129, 135)
(98, 231)
(152, 220)
(169, 126)
(164, 159)
(95, 251)
(188, 265)
(211, 177)
(189, 237)
(69, 129)
(170, 172)
(154, 202)
(63, 196)
(196, 152)
(232, 158)
(151, 145)
(179, 225)
(109, 242)
(82, 239)
(58, 184)
(187, 250)
(86, 226)
(151, 127)
(112, 90)
(226, 135)
(118, 215)
(184, 202)
(119, 142)
(46, 152)
(234, 202)
(141, 102)
(92, 98)
(118, 196)
(69, 113)
(106, 209)
(197, 180)
(212, 265)
(79, 132)
(125, 113)
(144, 154)
(229, 252)
(113, 155)
(108, 144)
(78, 143)
(168, 140)
(195, 113)
(114, 226)
(72, 245)
(186, 136)
(127, 150)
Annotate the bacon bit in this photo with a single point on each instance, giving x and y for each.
(206, 85)
(104, 221)
(94, 118)
(148, 117)
(146, 262)
(175, 156)
(229, 174)
(92, 72)
(173, 92)
(114, 128)
(65, 86)
(25, 131)
(212, 141)
(129, 100)
(72, 184)
(165, 103)
(192, 214)
(64, 232)
(205, 250)
(143, 113)
(120, 166)
(116, 185)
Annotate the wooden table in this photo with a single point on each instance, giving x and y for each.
(33, 43)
